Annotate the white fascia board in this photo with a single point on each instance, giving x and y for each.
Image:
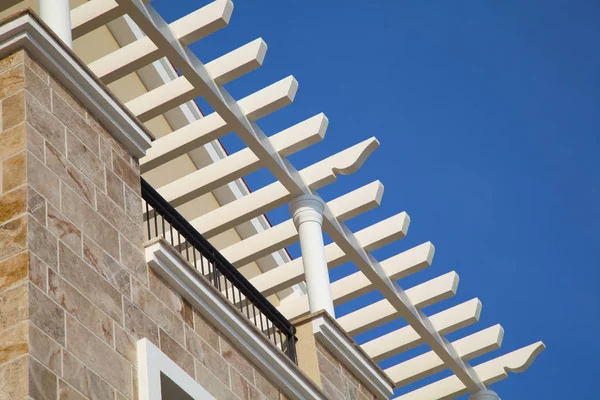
(151, 362)
(233, 325)
(348, 353)
(26, 32)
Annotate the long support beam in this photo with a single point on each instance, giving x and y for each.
(223, 103)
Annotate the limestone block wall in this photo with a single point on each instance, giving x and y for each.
(337, 381)
(75, 291)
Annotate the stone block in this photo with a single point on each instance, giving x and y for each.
(14, 270)
(90, 223)
(115, 188)
(69, 174)
(12, 81)
(139, 324)
(75, 123)
(117, 217)
(13, 237)
(134, 260)
(13, 204)
(45, 123)
(46, 315)
(14, 171)
(156, 310)
(98, 356)
(43, 180)
(60, 226)
(36, 205)
(38, 272)
(37, 87)
(207, 356)
(12, 60)
(85, 160)
(84, 380)
(213, 385)
(14, 380)
(176, 353)
(87, 281)
(14, 342)
(206, 331)
(45, 349)
(42, 243)
(124, 171)
(80, 307)
(13, 110)
(12, 141)
(237, 360)
(106, 266)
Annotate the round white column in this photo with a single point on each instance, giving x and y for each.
(57, 15)
(484, 395)
(307, 213)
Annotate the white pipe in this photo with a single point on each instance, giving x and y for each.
(484, 395)
(307, 213)
(57, 15)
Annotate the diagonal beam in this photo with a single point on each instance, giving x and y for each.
(285, 233)
(142, 52)
(179, 90)
(242, 163)
(212, 126)
(275, 194)
(291, 273)
(92, 15)
(291, 181)
(488, 372)
(423, 295)
(405, 338)
(429, 363)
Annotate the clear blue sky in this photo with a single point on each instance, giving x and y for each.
(488, 114)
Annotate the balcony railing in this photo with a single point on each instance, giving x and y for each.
(162, 220)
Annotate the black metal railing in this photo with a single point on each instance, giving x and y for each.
(162, 220)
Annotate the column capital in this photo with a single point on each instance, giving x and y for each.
(307, 207)
(484, 395)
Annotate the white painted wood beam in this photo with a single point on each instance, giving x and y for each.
(488, 372)
(421, 296)
(243, 162)
(406, 338)
(275, 194)
(212, 126)
(93, 14)
(142, 52)
(290, 180)
(232, 65)
(357, 284)
(429, 363)
(285, 233)
(291, 273)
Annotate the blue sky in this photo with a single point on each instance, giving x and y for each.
(488, 114)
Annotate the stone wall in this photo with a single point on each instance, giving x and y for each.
(75, 291)
(338, 382)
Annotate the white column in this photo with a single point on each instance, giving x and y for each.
(307, 213)
(57, 15)
(484, 395)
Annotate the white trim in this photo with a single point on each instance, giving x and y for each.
(151, 362)
(26, 32)
(332, 338)
(271, 361)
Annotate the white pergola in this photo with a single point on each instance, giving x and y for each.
(206, 80)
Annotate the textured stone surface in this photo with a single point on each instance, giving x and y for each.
(115, 188)
(12, 141)
(38, 272)
(124, 171)
(106, 266)
(13, 110)
(46, 315)
(75, 123)
(42, 382)
(43, 180)
(176, 353)
(14, 270)
(14, 379)
(87, 281)
(134, 261)
(13, 204)
(84, 380)
(14, 306)
(139, 324)
(14, 342)
(42, 243)
(207, 356)
(85, 160)
(36, 205)
(237, 360)
(119, 219)
(80, 307)
(92, 351)
(45, 349)
(69, 174)
(14, 172)
(66, 231)
(45, 123)
(12, 81)
(13, 237)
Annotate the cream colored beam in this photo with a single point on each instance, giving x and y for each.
(212, 126)
(179, 90)
(242, 163)
(291, 273)
(488, 372)
(275, 194)
(357, 284)
(405, 338)
(291, 181)
(285, 233)
(142, 52)
(429, 363)
(420, 296)
(93, 14)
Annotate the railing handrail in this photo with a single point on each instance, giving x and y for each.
(180, 224)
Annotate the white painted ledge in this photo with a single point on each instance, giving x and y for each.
(340, 344)
(233, 325)
(24, 30)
